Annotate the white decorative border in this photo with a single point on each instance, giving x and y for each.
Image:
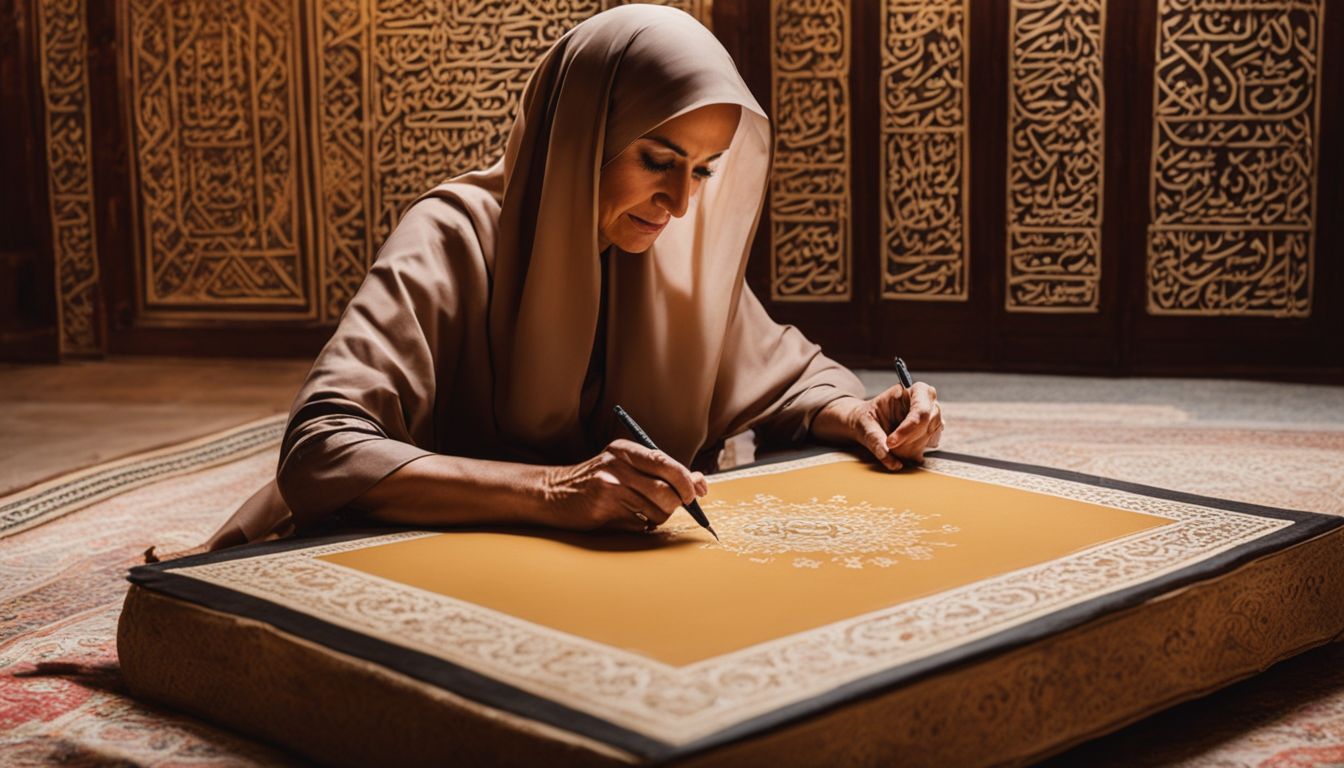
(46, 501)
(680, 704)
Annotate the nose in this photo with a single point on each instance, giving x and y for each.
(675, 193)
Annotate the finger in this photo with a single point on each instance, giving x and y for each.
(913, 451)
(656, 496)
(892, 405)
(660, 465)
(874, 438)
(701, 484)
(935, 439)
(915, 446)
(636, 513)
(936, 427)
(916, 422)
(915, 442)
(922, 445)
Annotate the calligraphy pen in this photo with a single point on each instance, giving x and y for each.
(694, 506)
(903, 374)
(907, 382)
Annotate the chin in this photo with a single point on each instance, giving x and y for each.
(635, 244)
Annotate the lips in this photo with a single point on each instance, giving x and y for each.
(644, 225)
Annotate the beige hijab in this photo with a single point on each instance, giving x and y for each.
(472, 333)
(608, 81)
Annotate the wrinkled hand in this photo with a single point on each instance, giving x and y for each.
(626, 487)
(897, 426)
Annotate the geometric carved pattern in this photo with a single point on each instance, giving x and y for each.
(1055, 130)
(62, 45)
(810, 185)
(1236, 91)
(924, 150)
(218, 156)
(408, 94)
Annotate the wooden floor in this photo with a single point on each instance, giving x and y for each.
(56, 418)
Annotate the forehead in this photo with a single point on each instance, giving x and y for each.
(703, 131)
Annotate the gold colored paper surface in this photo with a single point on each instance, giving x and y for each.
(801, 549)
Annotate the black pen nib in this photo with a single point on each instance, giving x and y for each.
(710, 528)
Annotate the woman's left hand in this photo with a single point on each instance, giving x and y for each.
(897, 425)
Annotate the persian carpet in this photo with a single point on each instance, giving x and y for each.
(61, 590)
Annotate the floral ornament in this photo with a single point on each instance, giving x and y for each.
(852, 534)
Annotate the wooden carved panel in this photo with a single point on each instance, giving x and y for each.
(1235, 139)
(218, 148)
(924, 152)
(62, 44)
(1055, 158)
(810, 188)
(409, 93)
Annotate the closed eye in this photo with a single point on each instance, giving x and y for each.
(701, 172)
(656, 167)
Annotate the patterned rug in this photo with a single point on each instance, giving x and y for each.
(65, 545)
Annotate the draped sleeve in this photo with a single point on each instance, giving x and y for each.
(772, 379)
(368, 405)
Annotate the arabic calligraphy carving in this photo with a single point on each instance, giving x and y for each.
(809, 189)
(217, 154)
(1055, 130)
(1235, 133)
(925, 156)
(63, 40)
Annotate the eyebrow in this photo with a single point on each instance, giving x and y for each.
(670, 145)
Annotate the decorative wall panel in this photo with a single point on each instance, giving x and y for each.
(810, 188)
(62, 43)
(1234, 157)
(217, 149)
(925, 156)
(409, 94)
(1055, 157)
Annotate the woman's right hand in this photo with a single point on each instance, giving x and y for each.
(626, 487)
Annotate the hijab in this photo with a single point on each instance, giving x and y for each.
(607, 82)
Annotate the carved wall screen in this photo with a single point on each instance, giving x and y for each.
(810, 187)
(63, 39)
(1235, 139)
(260, 151)
(1055, 158)
(405, 94)
(924, 151)
(218, 157)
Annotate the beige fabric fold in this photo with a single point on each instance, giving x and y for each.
(474, 328)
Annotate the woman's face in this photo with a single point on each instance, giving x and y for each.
(655, 178)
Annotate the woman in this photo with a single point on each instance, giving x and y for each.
(600, 261)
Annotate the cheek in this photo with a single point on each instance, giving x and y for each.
(621, 189)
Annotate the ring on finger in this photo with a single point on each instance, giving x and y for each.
(649, 525)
